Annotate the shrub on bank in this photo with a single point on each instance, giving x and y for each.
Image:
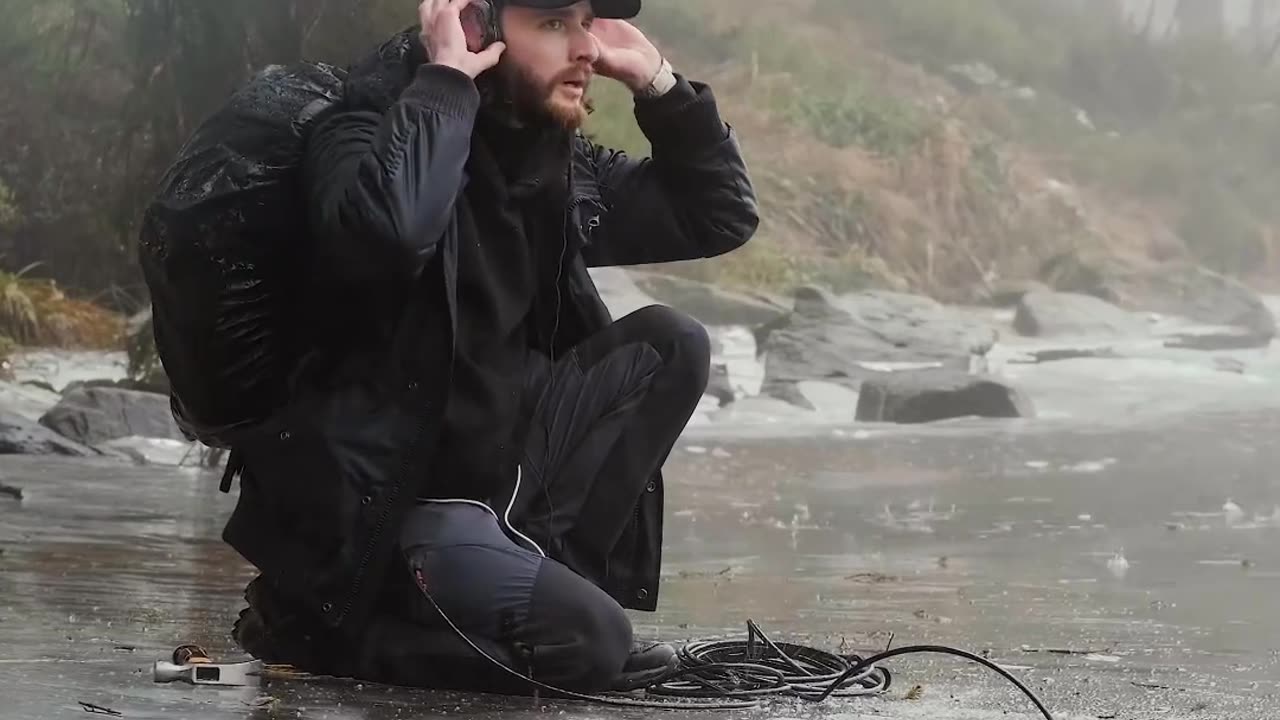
(35, 313)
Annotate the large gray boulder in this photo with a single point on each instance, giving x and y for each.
(1177, 288)
(27, 399)
(1054, 314)
(835, 338)
(923, 396)
(708, 304)
(1209, 297)
(22, 436)
(93, 415)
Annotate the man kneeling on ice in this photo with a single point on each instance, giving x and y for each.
(474, 447)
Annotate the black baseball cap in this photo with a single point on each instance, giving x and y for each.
(609, 9)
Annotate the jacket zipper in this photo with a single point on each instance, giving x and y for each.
(382, 519)
(564, 249)
(392, 498)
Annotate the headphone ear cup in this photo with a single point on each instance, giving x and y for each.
(480, 22)
(493, 29)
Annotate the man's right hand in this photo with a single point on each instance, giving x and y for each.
(446, 42)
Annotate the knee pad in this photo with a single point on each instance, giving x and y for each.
(581, 637)
(407, 654)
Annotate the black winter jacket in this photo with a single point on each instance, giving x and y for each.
(326, 481)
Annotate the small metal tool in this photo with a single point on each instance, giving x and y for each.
(191, 664)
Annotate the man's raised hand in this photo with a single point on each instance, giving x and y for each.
(446, 42)
(625, 54)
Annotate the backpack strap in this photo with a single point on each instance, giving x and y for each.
(235, 466)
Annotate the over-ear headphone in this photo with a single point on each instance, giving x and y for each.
(482, 17)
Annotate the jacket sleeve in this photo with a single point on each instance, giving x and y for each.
(380, 187)
(691, 199)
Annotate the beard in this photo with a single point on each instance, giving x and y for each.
(539, 103)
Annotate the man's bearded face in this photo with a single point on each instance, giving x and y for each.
(547, 66)
(560, 100)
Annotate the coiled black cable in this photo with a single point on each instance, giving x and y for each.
(760, 667)
(730, 674)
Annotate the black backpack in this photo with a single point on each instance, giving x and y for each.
(220, 246)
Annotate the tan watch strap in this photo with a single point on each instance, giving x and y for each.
(661, 83)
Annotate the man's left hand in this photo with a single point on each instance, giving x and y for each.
(626, 55)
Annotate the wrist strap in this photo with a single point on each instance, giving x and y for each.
(661, 83)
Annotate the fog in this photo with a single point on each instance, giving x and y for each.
(997, 370)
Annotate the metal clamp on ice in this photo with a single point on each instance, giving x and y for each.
(192, 664)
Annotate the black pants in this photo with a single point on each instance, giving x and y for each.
(607, 415)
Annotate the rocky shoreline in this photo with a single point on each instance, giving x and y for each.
(99, 418)
(950, 362)
(873, 357)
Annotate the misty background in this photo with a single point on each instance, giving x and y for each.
(997, 372)
(954, 150)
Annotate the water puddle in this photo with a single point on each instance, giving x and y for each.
(995, 544)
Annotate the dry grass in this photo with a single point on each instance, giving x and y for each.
(949, 209)
(36, 313)
(18, 316)
(949, 218)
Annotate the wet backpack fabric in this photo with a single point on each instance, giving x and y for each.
(217, 250)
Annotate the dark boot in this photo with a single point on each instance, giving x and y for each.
(270, 631)
(390, 651)
(647, 663)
